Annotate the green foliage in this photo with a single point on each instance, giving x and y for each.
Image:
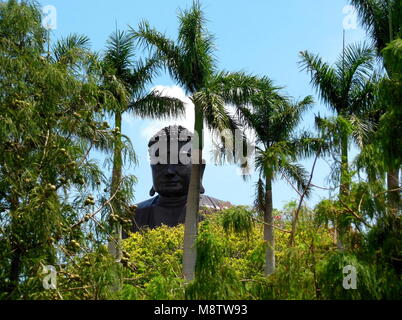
(331, 278)
(390, 96)
(384, 246)
(90, 277)
(229, 265)
(50, 120)
(381, 18)
(393, 56)
(161, 249)
(238, 220)
(213, 278)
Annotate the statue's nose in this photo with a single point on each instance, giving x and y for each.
(170, 172)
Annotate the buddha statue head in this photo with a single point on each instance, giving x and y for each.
(170, 155)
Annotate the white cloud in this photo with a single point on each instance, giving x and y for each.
(186, 120)
(173, 91)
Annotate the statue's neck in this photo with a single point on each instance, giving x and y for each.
(164, 201)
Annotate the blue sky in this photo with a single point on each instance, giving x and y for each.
(262, 37)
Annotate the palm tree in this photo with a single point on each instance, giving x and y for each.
(383, 21)
(125, 82)
(346, 89)
(191, 64)
(274, 118)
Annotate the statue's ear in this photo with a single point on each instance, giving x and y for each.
(152, 192)
(202, 189)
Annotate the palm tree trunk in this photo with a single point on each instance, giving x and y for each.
(344, 186)
(269, 229)
(345, 176)
(393, 192)
(15, 270)
(193, 200)
(114, 245)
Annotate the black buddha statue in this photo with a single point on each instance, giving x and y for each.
(170, 152)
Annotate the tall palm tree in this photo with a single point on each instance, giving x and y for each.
(346, 89)
(274, 118)
(383, 21)
(125, 81)
(191, 64)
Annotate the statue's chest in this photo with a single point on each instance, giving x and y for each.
(167, 216)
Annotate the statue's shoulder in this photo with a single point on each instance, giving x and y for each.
(213, 203)
(143, 214)
(147, 203)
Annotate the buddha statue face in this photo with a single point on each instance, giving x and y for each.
(171, 179)
(171, 175)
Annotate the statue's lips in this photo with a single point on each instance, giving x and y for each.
(169, 183)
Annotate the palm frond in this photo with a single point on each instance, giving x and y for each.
(71, 49)
(260, 162)
(363, 99)
(141, 75)
(246, 117)
(117, 92)
(362, 130)
(375, 16)
(236, 88)
(163, 47)
(354, 67)
(157, 105)
(329, 131)
(232, 145)
(307, 145)
(288, 116)
(297, 174)
(259, 197)
(303, 105)
(119, 53)
(268, 161)
(323, 78)
(263, 106)
(128, 151)
(197, 46)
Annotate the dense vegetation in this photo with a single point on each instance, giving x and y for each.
(58, 207)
